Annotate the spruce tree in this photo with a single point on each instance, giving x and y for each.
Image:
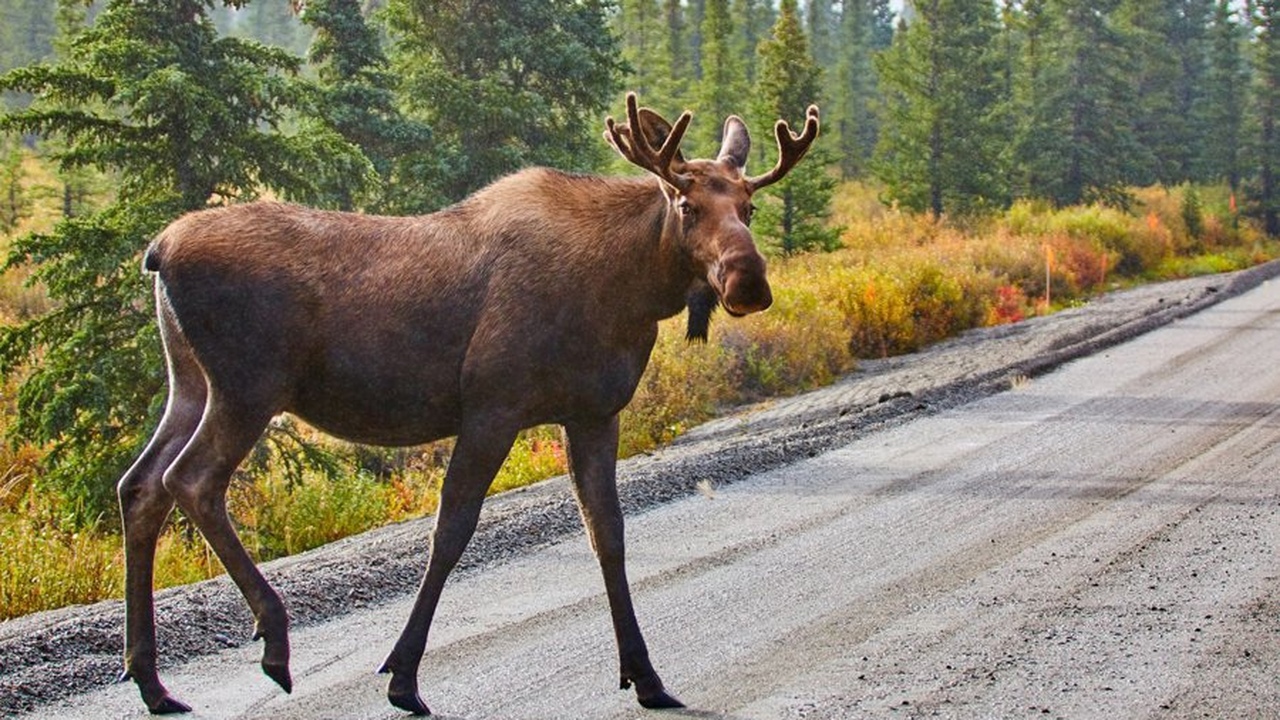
(882, 23)
(1167, 41)
(791, 214)
(821, 23)
(15, 203)
(1075, 138)
(943, 132)
(184, 119)
(853, 90)
(753, 20)
(1225, 89)
(1266, 114)
(638, 27)
(720, 90)
(671, 89)
(504, 85)
(27, 30)
(396, 167)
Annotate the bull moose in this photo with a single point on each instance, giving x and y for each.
(534, 301)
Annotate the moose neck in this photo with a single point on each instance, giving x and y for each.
(668, 270)
(634, 238)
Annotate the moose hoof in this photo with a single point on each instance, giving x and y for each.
(409, 702)
(650, 693)
(167, 705)
(660, 701)
(154, 695)
(280, 673)
(402, 691)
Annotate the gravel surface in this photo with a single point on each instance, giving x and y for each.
(52, 655)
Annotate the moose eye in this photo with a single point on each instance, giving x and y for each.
(686, 210)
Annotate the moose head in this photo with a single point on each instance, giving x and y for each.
(712, 200)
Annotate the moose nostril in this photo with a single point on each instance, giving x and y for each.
(746, 293)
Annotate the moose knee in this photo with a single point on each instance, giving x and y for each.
(137, 493)
(197, 495)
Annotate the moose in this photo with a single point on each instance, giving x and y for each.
(534, 301)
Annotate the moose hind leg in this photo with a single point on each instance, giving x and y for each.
(144, 506)
(198, 481)
(593, 452)
(477, 456)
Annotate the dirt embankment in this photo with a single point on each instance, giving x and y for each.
(55, 654)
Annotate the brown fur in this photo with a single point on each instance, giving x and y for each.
(534, 301)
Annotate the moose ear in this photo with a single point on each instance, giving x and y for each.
(656, 129)
(737, 142)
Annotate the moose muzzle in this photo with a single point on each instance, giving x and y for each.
(740, 279)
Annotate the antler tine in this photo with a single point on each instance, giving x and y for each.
(630, 141)
(664, 155)
(791, 148)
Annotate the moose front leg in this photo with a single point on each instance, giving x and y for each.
(477, 456)
(593, 451)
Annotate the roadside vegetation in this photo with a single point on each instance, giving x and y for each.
(899, 282)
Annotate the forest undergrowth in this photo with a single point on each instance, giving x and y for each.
(900, 282)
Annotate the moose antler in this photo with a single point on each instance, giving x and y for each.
(791, 148)
(630, 141)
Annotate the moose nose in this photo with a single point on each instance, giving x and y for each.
(744, 287)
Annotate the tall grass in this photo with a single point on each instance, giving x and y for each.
(900, 282)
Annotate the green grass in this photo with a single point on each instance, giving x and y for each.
(900, 283)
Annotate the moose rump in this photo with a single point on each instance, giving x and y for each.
(534, 301)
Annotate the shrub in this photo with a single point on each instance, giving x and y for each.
(537, 454)
(682, 386)
(278, 517)
(876, 311)
(798, 344)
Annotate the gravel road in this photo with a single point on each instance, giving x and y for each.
(956, 533)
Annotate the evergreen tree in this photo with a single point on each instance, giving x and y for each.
(943, 132)
(638, 27)
(1166, 38)
(503, 85)
(355, 100)
(1075, 137)
(821, 24)
(882, 23)
(27, 29)
(26, 35)
(792, 213)
(654, 47)
(719, 92)
(1225, 90)
(14, 202)
(853, 90)
(273, 23)
(1266, 111)
(1028, 26)
(695, 13)
(672, 87)
(752, 21)
(184, 118)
